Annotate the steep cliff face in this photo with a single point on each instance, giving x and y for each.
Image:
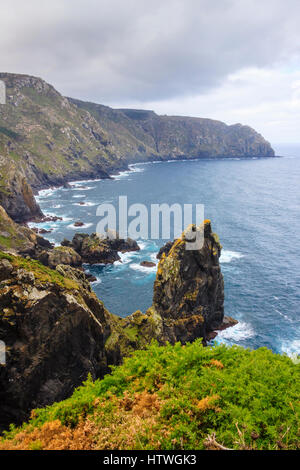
(54, 329)
(126, 134)
(16, 194)
(144, 135)
(46, 140)
(189, 288)
(16, 238)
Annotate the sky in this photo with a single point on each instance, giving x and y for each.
(231, 60)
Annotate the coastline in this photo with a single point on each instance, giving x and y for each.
(90, 178)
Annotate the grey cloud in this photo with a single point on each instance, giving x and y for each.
(122, 50)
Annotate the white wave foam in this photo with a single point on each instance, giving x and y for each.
(227, 256)
(291, 348)
(126, 257)
(82, 226)
(80, 188)
(286, 317)
(143, 269)
(142, 245)
(136, 169)
(79, 182)
(125, 173)
(148, 245)
(98, 281)
(236, 333)
(46, 192)
(121, 175)
(86, 204)
(80, 195)
(153, 258)
(46, 226)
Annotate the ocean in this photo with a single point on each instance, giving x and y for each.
(253, 205)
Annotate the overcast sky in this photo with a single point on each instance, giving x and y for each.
(233, 60)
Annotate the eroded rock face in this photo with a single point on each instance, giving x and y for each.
(17, 238)
(17, 197)
(164, 249)
(54, 329)
(189, 289)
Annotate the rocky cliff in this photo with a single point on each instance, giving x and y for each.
(54, 329)
(57, 331)
(47, 139)
(189, 288)
(144, 135)
(18, 239)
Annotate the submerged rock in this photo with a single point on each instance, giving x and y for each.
(147, 264)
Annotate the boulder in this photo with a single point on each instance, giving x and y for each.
(64, 255)
(95, 249)
(147, 264)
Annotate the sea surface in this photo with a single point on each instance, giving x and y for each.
(254, 207)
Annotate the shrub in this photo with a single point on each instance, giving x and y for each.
(194, 397)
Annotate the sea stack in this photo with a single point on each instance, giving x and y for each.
(189, 287)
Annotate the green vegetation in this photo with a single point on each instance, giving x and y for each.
(10, 133)
(176, 397)
(41, 272)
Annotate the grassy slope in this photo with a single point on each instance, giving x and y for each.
(176, 397)
(42, 130)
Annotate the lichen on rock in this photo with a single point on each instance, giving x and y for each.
(189, 287)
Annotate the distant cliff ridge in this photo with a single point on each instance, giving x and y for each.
(142, 134)
(47, 139)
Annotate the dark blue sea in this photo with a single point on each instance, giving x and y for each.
(254, 207)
